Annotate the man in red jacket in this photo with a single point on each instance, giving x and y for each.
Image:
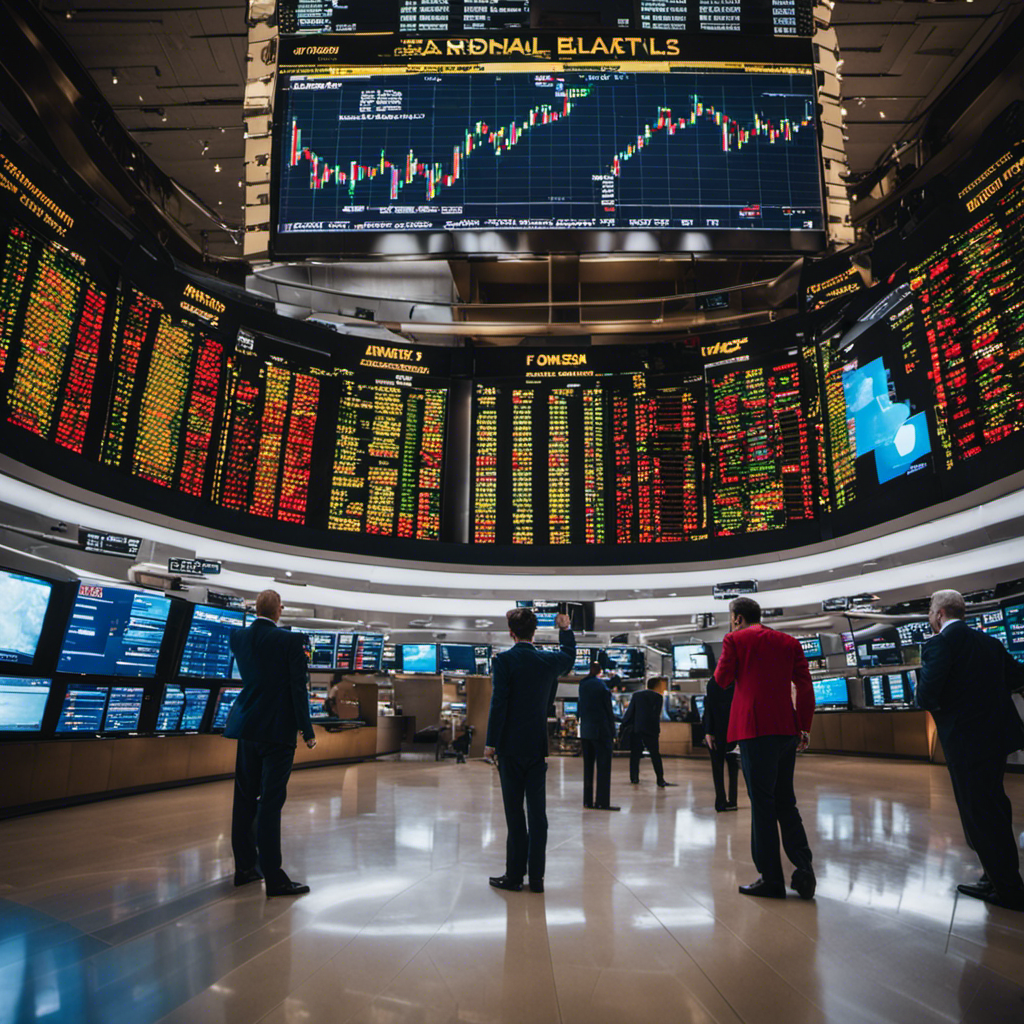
(764, 663)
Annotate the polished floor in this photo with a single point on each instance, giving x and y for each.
(123, 912)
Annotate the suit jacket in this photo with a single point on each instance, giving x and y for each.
(644, 713)
(965, 681)
(597, 720)
(717, 706)
(273, 705)
(523, 685)
(763, 663)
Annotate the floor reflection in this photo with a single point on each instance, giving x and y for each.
(124, 911)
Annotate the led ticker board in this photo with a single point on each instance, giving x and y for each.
(761, 17)
(405, 16)
(368, 652)
(526, 133)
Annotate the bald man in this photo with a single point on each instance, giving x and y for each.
(966, 680)
(265, 719)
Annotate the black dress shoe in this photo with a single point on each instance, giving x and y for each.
(773, 890)
(587, 806)
(536, 885)
(804, 882)
(1008, 900)
(979, 890)
(287, 889)
(664, 785)
(504, 882)
(732, 807)
(606, 807)
(634, 782)
(245, 877)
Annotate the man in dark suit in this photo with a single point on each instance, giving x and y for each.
(643, 722)
(597, 733)
(524, 682)
(272, 707)
(965, 681)
(717, 705)
(765, 664)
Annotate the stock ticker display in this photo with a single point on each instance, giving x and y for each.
(517, 139)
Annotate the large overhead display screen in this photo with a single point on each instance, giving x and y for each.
(514, 132)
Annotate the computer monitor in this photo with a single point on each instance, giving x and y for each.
(897, 689)
(225, 702)
(22, 703)
(123, 709)
(458, 659)
(874, 691)
(482, 658)
(83, 708)
(811, 646)
(992, 622)
(24, 600)
(345, 652)
(114, 631)
(207, 650)
(626, 662)
(389, 658)
(317, 707)
(196, 700)
(419, 658)
(914, 632)
(690, 660)
(698, 704)
(172, 704)
(1013, 616)
(323, 649)
(570, 707)
(910, 681)
(544, 610)
(831, 692)
(367, 652)
(585, 656)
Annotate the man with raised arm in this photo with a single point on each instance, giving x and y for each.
(524, 682)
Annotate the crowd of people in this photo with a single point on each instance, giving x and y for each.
(966, 681)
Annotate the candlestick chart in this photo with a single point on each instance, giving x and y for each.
(553, 150)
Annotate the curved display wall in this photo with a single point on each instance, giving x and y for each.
(124, 375)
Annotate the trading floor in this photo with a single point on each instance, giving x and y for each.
(124, 911)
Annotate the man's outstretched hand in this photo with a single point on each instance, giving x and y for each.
(562, 621)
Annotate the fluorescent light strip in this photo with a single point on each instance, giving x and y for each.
(777, 567)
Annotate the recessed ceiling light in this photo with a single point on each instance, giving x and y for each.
(216, 168)
(881, 113)
(113, 75)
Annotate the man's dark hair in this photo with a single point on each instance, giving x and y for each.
(747, 607)
(655, 681)
(522, 622)
(595, 668)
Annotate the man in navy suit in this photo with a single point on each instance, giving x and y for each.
(597, 732)
(524, 682)
(966, 681)
(271, 709)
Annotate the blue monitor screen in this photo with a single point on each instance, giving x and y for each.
(195, 707)
(419, 658)
(546, 611)
(689, 658)
(896, 689)
(123, 709)
(698, 703)
(168, 718)
(830, 692)
(114, 631)
(458, 659)
(207, 653)
(368, 650)
(83, 708)
(482, 656)
(874, 691)
(317, 710)
(811, 646)
(584, 658)
(225, 702)
(626, 662)
(24, 600)
(570, 707)
(22, 703)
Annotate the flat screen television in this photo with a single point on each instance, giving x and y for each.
(874, 691)
(585, 656)
(22, 703)
(1013, 616)
(317, 708)
(482, 656)
(690, 660)
(570, 707)
(114, 631)
(389, 656)
(225, 702)
(546, 611)
(698, 704)
(914, 632)
(811, 646)
(625, 662)
(367, 651)
(83, 708)
(323, 649)
(458, 659)
(419, 658)
(830, 692)
(207, 650)
(124, 706)
(24, 600)
(344, 652)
